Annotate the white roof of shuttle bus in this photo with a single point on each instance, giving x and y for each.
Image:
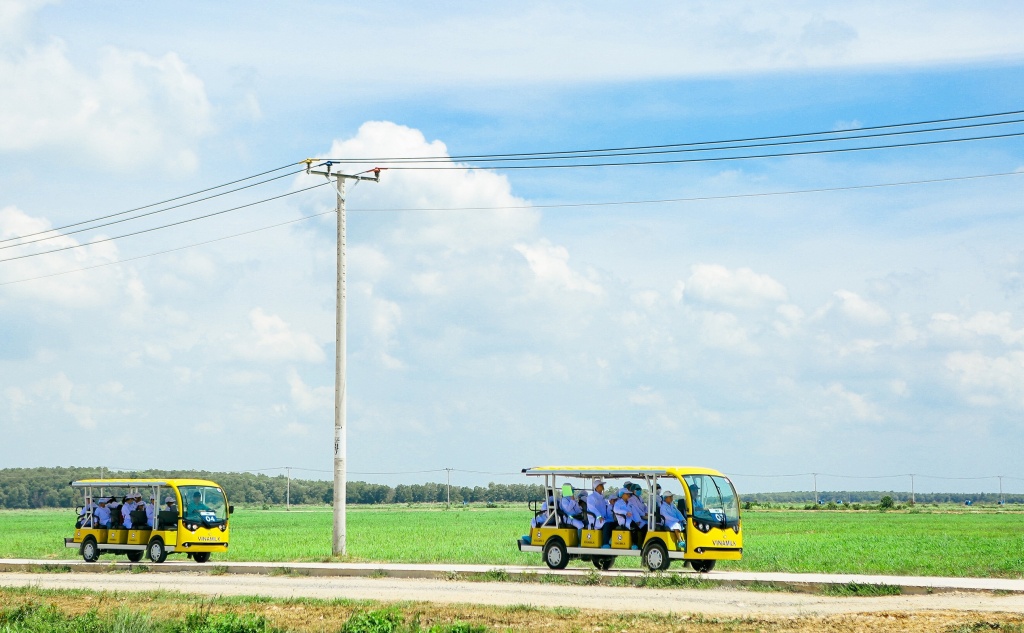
(114, 483)
(619, 471)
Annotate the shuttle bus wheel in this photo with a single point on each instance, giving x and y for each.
(656, 557)
(702, 566)
(604, 563)
(200, 557)
(135, 556)
(90, 550)
(156, 550)
(555, 554)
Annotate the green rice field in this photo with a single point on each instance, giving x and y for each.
(947, 543)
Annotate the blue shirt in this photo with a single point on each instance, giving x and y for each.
(570, 507)
(624, 513)
(598, 506)
(670, 513)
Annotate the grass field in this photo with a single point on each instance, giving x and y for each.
(937, 544)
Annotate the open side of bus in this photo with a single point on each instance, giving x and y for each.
(197, 525)
(708, 502)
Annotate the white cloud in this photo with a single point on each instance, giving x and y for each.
(998, 325)
(723, 330)
(848, 403)
(75, 290)
(271, 339)
(860, 310)
(742, 288)
(989, 380)
(498, 44)
(132, 109)
(550, 265)
(306, 398)
(446, 190)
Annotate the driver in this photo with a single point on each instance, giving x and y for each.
(196, 505)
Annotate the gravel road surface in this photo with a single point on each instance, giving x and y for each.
(723, 602)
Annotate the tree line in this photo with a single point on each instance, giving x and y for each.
(874, 496)
(22, 488)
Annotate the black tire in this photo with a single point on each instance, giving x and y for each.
(702, 566)
(135, 556)
(157, 551)
(655, 556)
(89, 550)
(555, 554)
(201, 557)
(604, 563)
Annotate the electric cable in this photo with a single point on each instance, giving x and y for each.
(712, 159)
(673, 150)
(697, 143)
(567, 205)
(165, 226)
(142, 215)
(170, 250)
(708, 198)
(154, 204)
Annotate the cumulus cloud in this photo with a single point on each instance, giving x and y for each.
(860, 310)
(989, 380)
(306, 398)
(131, 108)
(981, 324)
(740, 288)
(446, 190)
(846, 403)
(271, 339)
(90, 289)
(550, 265)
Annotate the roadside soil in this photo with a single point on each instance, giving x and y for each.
(518, 606)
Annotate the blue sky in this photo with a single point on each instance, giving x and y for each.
(859, 332)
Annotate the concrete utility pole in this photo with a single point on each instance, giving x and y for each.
(449, 470)
(339, 547)
(912, 500)
(815, 475)
(1000, 490)
(288, 490)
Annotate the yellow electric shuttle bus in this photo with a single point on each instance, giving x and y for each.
(705, 498)
(188, 516)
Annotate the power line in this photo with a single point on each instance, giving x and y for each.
(708, 198)
(711, 159)
(154, 204)
(165, 226)
(170, 250)
(697, 143)
(549, 156)
(544, 206)
(141, 215)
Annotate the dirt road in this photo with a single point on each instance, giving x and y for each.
(712, 602)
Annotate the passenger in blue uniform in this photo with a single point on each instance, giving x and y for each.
(126, 510)
(102, 513)
(624, 515)
(673, 518)
(639, 508)
(623, 510)
(599, 513)
(573, 513)
(542, 518)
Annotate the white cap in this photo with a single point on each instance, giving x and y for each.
(597, 482)
(102, 500)
(168, 499)
(667, 493)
